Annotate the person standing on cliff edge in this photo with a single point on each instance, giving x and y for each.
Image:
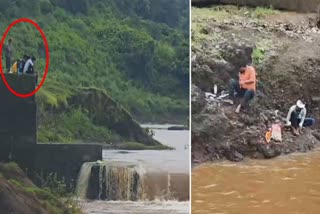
(8, 54)
(244, 87)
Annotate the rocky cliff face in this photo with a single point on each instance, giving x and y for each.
(287, 63)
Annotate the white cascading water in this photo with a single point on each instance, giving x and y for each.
(83, 180)
(125, 182)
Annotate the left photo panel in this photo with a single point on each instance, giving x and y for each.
(95, 107)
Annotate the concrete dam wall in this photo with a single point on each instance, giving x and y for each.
(18, 137)
(304, 6)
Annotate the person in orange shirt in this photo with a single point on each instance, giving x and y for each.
(245, 87)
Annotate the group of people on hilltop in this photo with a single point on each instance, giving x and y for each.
(24, 65)
(245, 88)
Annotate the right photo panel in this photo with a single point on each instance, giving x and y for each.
(255, 99)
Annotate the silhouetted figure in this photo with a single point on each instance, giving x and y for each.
(8, 54)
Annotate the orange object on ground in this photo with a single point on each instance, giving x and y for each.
(249, 74)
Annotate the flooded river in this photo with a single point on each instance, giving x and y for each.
(165, 186)
(176, 160)
(153, 207)
(285, 185)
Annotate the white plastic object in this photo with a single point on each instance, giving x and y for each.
(215, 89)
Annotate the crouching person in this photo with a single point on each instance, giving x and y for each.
(245, 87)
(296, 118)
(29, 66)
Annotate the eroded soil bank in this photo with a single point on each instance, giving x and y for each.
(286, 51)
(297, 5)
(19, 195)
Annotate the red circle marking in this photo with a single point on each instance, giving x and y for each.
(47, 57)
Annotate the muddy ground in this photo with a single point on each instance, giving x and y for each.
(286, 54)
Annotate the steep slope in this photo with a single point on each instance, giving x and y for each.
(286, 59)
(87, 114)
(19, 195)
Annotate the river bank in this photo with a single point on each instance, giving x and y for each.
(283, 51)
(19, 195)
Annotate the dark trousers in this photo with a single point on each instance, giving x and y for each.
(295, 120)
(30, 70)
(235, 88)
(8, 63)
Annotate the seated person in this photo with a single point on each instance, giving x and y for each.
(29, 66)
(14, 68)
(296, 118)
(22, 63)
(245, 87)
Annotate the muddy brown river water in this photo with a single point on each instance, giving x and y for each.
(285, 185)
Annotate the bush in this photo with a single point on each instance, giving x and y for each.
(46, 6)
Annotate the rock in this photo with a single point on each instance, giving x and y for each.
(235, 156)
(302, 148)
(205, 30)
(316, 135)
(270, 152)
(315, 100)
(178, 128)
(238, 54)
(248, 120)
(203, 77)
(216, 125)
(197, 99)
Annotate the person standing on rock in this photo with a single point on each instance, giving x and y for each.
(245, 87)
(296, 118)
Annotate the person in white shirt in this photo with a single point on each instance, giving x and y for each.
(29, 66)
(296, 118)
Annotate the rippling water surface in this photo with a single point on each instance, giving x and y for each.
(285, 185)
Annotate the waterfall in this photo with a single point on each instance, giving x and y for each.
(101, 181)
(124, 183)
(83, 180)
(110, 181)
(114, 181)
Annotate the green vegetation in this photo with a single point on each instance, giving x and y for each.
(65, 128)
(135, 50)
(262, 12)
(47, 198)
(258, 55)
(231, 12)
(52, 203)
(137, 146)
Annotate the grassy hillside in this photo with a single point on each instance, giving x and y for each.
(137, 51)
(19, 195)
